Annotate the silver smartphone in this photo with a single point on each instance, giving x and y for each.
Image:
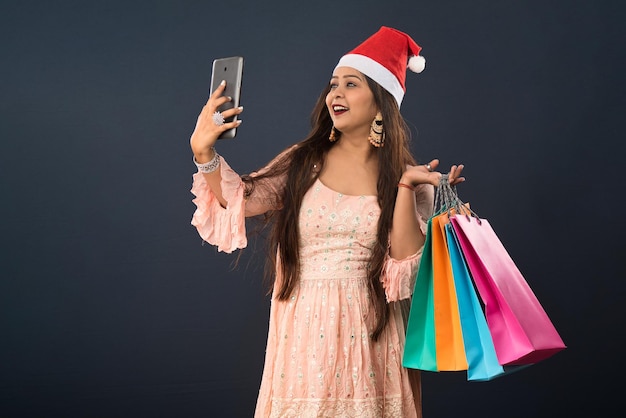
(231, 70)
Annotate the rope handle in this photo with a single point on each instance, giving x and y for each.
(447, 200)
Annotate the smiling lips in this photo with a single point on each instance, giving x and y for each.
(339, 110)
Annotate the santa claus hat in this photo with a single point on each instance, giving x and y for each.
(384, 57)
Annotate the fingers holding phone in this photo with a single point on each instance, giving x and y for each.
(224, 115)
(212, 123)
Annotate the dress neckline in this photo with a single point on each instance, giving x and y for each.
(343, 194)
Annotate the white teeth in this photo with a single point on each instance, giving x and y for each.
(338, 108)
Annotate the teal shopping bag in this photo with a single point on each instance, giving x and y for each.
(420, 349)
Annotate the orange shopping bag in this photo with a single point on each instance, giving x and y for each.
(449, 344)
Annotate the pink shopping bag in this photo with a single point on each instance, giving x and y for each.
(521, 330)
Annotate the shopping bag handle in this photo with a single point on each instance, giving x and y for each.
(447, 200)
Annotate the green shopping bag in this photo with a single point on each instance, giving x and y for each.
(420, 349)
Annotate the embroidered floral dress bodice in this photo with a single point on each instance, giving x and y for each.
(336, 234)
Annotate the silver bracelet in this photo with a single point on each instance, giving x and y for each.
(210, 166)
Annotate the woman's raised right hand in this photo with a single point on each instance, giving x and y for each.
(428, 173)
(206, 131)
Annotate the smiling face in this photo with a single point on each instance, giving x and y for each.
(350, 102)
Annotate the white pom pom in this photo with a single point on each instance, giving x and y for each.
(417, 63)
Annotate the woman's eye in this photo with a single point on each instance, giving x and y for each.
(333, 86)
(350, 84)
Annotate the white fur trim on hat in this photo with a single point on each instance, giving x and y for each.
(376, 72)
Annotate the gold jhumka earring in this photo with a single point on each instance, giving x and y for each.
(333, 135)
(377, 137)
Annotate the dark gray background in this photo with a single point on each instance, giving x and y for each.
(112, 307)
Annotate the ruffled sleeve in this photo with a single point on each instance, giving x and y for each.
(219, 226)
(225, 227)
(398, 276)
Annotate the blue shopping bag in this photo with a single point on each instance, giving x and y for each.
(481, 355)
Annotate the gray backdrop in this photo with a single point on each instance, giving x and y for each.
(112, 307)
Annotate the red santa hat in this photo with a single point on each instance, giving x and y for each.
(384, 57)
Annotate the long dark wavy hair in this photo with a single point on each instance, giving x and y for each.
(298, 164)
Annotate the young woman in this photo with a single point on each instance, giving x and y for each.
(348, 206)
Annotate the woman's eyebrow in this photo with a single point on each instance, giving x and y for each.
(347, 76)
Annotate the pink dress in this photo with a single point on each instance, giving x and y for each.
(320, 360)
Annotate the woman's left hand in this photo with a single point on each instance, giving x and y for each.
(421, 174)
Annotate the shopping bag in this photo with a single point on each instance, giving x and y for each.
(450, 350)
(419, 347)
(434, 340)
(479, 349)
(521, 330)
